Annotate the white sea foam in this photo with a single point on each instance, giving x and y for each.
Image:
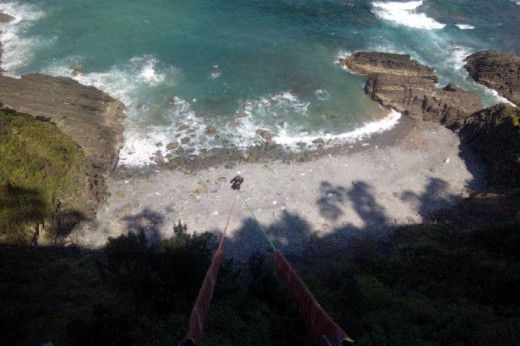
(405, 14)
(144, 142)
(465, 26)
(143, 145)
(262, 113)
(121, 81)
(215, 72)
(496, 96)
(147, 70)
(140, 147)
(117, 82)
(275, 107)
(287, 101)
(455, 57)
(360, 133)
(16, 48)
(127, 82)
(322, 95)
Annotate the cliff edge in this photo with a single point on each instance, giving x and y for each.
(498, 71)
(396, 81)
(89, 118)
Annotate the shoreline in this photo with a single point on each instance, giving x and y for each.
(392, 179)
(266, 153)
(367, 188)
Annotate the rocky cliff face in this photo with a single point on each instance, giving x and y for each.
(44, 180)
(498, 71)
(398, 82)
(494, 134)
(90, 117)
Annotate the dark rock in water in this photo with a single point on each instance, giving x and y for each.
(87, 115)
(5, 18)
(158, 158)
(172, 145)
(182, 127)
(185, 140)
(400, 83)
(395, 64)
(78, 69)
(451, 87)
(232, 124)
(211, 129)
(498, 71)
(265, 134)
(494, 134)
(241, 114)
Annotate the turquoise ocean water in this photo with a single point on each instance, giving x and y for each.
(238, 66)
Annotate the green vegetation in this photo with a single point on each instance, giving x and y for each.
(135, 294)
(430, 285)
(41, 170)
(128, 293)
(435, 285)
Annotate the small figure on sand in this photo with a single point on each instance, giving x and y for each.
(236, 181)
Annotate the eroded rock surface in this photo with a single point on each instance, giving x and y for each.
(494, 134)
(398, 82)
(89, 116)
(498, 71)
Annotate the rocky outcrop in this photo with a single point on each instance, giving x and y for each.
(498, 71)
(494, 134)
(396, 64)
(265, 134)
(44, 180)
(400, 83)
(5, 18)
(90, 117)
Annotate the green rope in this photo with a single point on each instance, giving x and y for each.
(260, 225)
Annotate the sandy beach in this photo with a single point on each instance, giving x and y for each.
(395, 178)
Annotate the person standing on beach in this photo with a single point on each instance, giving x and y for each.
(236, 181)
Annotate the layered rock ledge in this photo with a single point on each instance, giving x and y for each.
(87, 115)
(498, 71)
(398, 82)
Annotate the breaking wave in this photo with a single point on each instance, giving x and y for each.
(405, 14)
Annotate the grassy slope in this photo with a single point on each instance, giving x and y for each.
(39, 166)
